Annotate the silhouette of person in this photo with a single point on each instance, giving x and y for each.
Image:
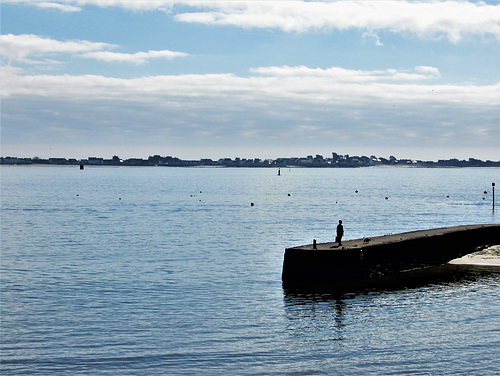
(340, 233)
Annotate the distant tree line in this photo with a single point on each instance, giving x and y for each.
(336, 160)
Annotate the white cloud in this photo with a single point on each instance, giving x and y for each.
(337, 74)
(374, 36)
(432, 19)
(67, 5)
(58, 6)
(136, 58)
(431, 71)
(452, 19)
(18, 48)
(333, 86)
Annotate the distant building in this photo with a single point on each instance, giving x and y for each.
(95, 161)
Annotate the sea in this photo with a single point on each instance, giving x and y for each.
(177, 271)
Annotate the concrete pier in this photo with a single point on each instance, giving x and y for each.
(358, 261)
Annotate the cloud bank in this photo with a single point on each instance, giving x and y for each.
(275, 106)
(453, 20)
(332, 85)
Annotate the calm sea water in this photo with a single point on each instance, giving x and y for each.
(129, 271)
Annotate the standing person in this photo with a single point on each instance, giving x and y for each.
(340, 233)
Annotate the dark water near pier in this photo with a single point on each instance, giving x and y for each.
(128, 271)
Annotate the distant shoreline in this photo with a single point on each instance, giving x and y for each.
(335, 161)
(27, 165)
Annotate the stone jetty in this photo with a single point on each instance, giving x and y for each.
(362, 260)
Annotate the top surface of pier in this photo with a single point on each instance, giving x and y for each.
(391, 238)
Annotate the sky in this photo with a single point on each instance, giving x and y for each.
(250, 79)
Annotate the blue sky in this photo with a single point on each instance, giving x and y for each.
(268, 79)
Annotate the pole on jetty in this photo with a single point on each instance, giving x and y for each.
(493, 190)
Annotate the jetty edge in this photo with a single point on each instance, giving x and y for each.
(360, 261)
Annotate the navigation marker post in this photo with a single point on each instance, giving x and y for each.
(493, 190)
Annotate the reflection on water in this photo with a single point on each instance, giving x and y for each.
(310, 312)
(398, 325)
(324, 308)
